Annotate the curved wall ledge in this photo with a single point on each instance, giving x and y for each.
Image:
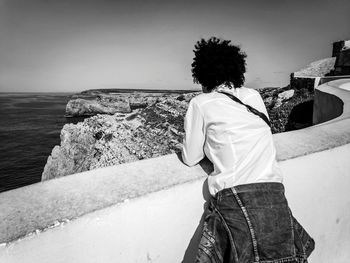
(162, 224)
(331, 100)
(322, 114)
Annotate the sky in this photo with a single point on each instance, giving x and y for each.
(75, 45)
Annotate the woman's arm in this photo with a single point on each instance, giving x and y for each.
(192, 151)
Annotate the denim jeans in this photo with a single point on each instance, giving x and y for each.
(252, 223)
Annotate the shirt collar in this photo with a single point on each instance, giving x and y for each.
(224, 88)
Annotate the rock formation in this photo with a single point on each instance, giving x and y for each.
(152, 126)
(105, 140)
(317, 68)
(280, 103)
(83, 107)
(92, 102)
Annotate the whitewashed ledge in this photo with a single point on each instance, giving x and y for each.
(314, 161)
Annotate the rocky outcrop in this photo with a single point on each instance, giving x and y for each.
(105, 140)
(282, 97)
(317, 68)
(111, 101)
(83, 107)
(153, 127)
(280, 103)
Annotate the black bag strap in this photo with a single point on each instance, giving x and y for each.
(250, 108)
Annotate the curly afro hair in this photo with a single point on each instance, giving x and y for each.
(217, 62)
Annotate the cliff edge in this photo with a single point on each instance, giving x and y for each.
(139, 125)
(104, 140)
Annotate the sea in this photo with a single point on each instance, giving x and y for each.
(30, 125)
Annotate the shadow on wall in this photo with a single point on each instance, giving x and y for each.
(301, 116)
(323, 114)
(191, 250)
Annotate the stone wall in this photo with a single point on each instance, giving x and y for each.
(342, 64)
(299, 83)
(337, 47)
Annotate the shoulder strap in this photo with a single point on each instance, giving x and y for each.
(250, 108)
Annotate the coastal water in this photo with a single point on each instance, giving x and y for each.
(30, 128)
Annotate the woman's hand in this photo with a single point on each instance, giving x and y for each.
(178, 147)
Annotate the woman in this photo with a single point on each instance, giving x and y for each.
(248, 218)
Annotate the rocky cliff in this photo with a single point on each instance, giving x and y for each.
(92, 102)
(317, 68)
(150, 130)
(288, 109)
(139, 125)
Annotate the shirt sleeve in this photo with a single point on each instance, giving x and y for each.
(257, 102)
(193, 143)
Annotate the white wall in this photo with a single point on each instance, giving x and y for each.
(159, 227)
(317, 187)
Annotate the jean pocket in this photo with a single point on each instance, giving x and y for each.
(303, 242)
(273, 232)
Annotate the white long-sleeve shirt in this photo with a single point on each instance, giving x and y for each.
(237, 142)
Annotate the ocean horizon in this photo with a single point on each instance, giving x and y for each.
(30, 127)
